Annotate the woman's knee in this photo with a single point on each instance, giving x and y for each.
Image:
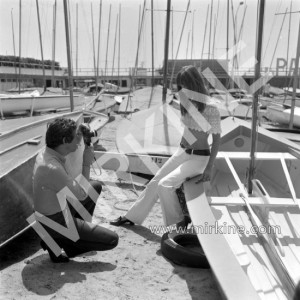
(161, 185)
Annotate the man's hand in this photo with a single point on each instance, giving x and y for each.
(88, 156)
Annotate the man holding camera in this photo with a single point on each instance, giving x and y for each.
(50, 179)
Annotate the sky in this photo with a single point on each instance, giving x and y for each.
(194, 41)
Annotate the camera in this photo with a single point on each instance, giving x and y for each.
(87, 133)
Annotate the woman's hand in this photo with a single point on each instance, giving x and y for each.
(206, 176)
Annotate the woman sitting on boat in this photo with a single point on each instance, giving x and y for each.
(193, 156)
(51, 179)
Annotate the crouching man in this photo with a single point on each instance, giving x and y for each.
(51, 183)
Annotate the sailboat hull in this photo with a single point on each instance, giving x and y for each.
(15, 104)
(18, 150)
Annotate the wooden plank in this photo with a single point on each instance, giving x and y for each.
(233, 281)
(254, 201)
(269, 242)
(258, 155)
(271, 287)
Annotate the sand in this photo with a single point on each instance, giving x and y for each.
(135, 269)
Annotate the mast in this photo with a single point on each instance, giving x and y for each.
(98, 51)
(205, 32)
(94, 54)
(259, 37)
(53, 43)
(173, 69)
(119, 83)
(211, 10)
(41, 43)
(227, 45)
(20, 34)
(14, 47)
(140, 26)
(215, 30)
(164, 95)
(296, 79)
(69, 55)
(187, 45)
(287, 50)
(76, 39)
(115, 42)
(152, 43)
(152, 56)
(107, 39)
(192, 46)
(172, 33)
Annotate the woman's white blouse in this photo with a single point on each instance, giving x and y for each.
(211, 115)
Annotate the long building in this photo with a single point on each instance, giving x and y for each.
(216, 72)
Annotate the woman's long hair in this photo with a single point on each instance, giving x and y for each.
(190, 79)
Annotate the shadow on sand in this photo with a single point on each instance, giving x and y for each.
(43, 277)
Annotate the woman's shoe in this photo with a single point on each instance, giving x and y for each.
(56, 259)
(121, 221)
(183, 225)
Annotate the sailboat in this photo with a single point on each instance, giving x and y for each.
(247, 220)
(20, 141)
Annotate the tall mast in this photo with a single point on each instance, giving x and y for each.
(98, 51)
(140, 26)
(227, 43)
(53, 43)
(205, 32)
(41, 43)
(76, 39)
(192, 46)
(211, 10)
(172, 33)
(119, 84)
(187, 45)
(94, 53)
(296, 79)
(288, 48)
(173, 69)
(259, 37)
(69, 55)
(115, 42)
(152, 43)
(164, 95)
(107, 39)
(20, 34)
(215, 30)
(13, 35)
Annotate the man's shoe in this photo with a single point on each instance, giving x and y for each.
(56, 259)
(121, 221)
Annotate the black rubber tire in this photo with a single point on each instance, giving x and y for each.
(174, 246)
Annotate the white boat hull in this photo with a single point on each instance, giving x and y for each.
(14, 104)
(281, 115)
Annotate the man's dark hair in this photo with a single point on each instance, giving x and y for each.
(58, 130)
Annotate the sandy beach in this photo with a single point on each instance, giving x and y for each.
(135, 269)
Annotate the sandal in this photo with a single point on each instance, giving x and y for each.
(121, 221)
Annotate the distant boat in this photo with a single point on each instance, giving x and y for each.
(20, 141)
(282, 115)
(289, 91)
(108, 88)
(33, 101)
(142, 99)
